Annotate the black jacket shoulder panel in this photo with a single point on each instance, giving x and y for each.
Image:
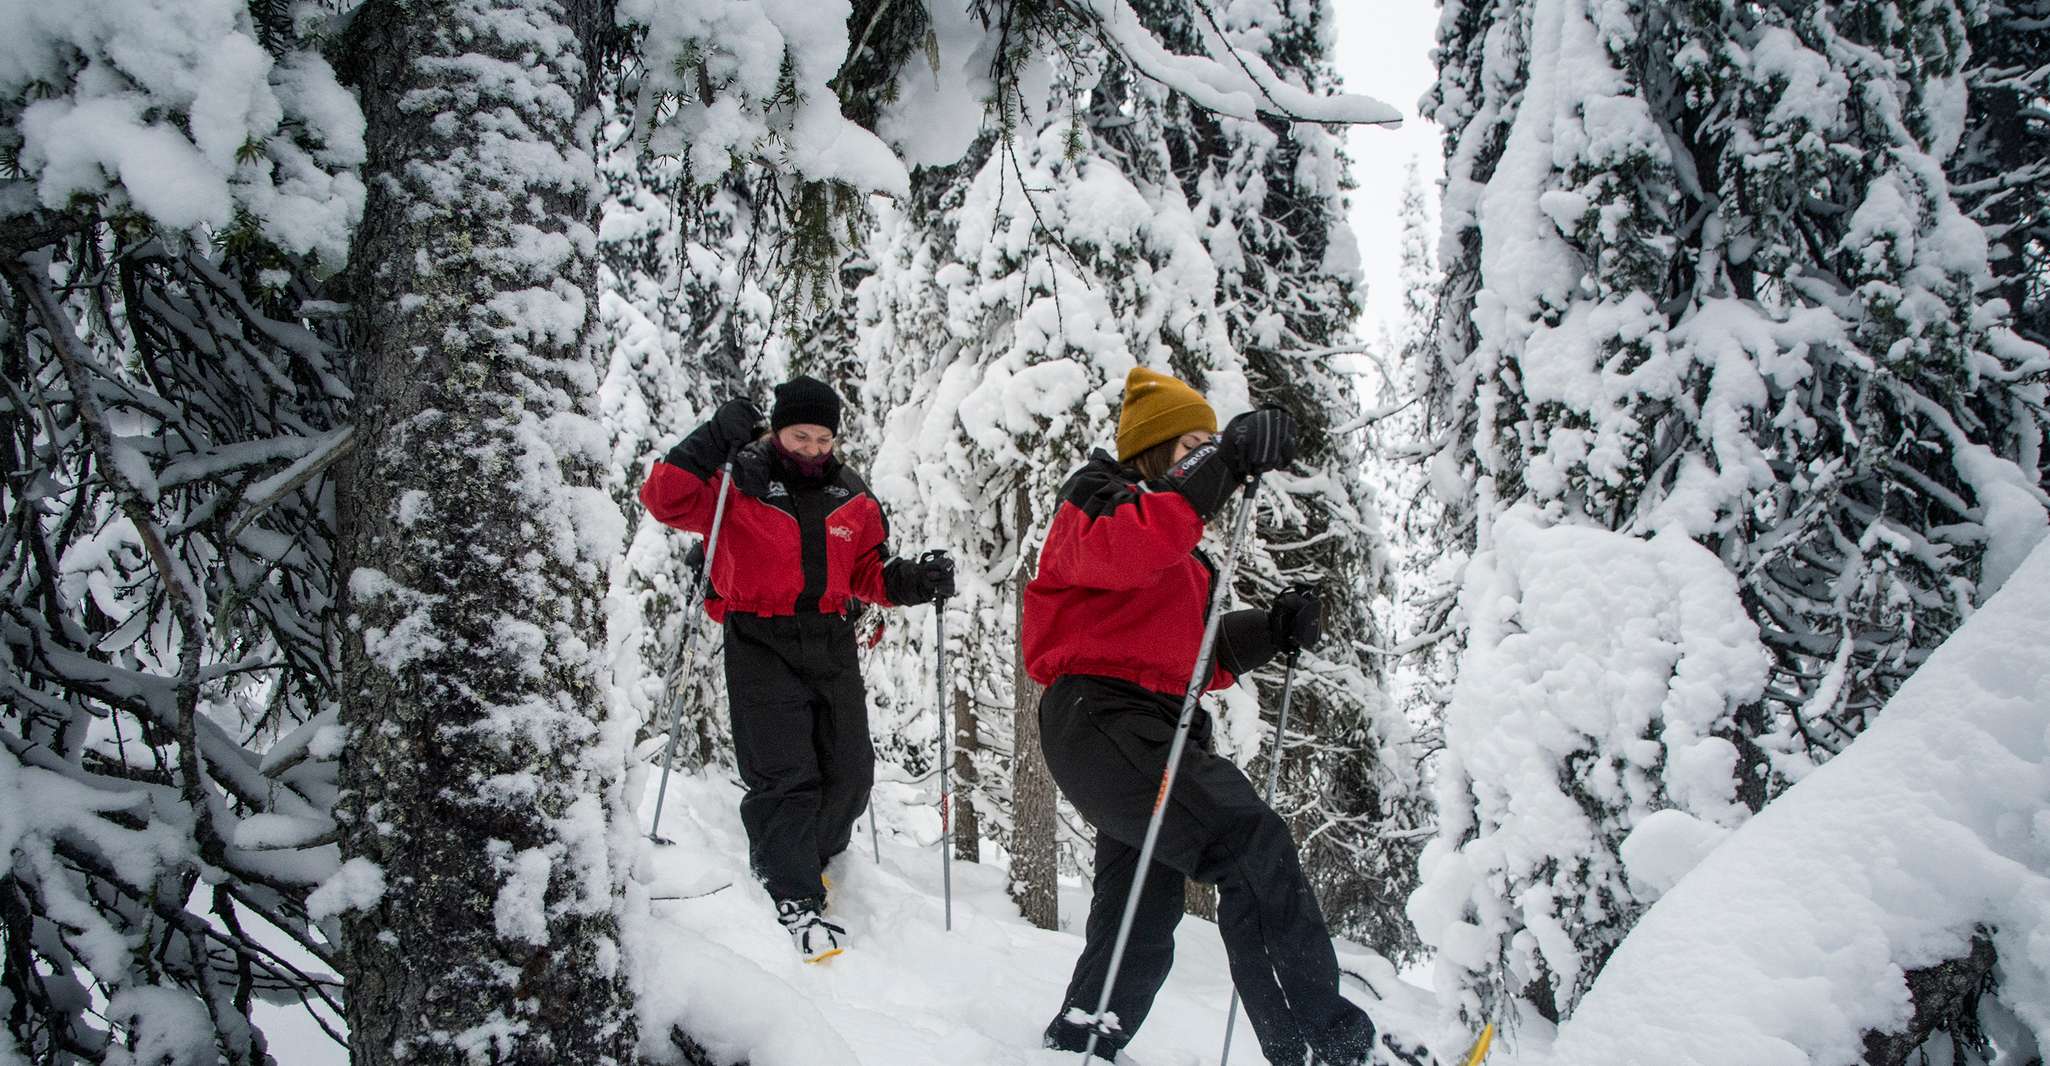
(1102, 485)
(844, 476)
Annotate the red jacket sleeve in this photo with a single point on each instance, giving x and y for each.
(677, 497)
(1123, 547)
(866, 579)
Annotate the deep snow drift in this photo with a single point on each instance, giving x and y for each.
(1789, 940)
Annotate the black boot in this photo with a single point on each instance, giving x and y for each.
(1064, 1035)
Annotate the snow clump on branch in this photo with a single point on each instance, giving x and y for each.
(173, 109)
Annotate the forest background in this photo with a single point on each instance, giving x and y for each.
(337, 338)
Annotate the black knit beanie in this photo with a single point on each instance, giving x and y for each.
(805, 400)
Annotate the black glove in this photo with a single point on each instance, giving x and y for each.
(935, 576)
(1245, 641)
(1206, 477)
(910, 582)
(1259, 441)
(753, 468)
(733, 425)
(1296, 620)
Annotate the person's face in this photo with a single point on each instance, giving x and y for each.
(806, 441)
(1189, 442)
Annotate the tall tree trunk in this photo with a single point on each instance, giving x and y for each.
(482, 786)
(1035, 851)
(967, 825)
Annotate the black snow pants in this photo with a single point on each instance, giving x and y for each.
(1106, 742)
(800, 735)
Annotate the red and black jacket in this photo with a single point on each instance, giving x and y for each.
(787, 545)
(1123, 592)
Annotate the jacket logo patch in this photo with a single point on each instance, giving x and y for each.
(776, 488)
(838, 490)
(842, 532)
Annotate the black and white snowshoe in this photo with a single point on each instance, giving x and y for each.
(1394, 1051)
(816, 938)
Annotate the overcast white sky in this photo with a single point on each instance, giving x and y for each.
(1383, 51)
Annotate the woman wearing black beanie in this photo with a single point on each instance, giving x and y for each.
(802, 538)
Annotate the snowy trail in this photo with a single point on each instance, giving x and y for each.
(907, 992)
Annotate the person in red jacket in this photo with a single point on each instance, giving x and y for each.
(802, 539)
(1114, 620)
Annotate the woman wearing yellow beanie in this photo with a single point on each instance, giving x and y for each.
(1114, 620)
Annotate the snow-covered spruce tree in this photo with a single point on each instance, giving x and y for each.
(1787, 941)
(1718, 289)
(901, 342)
(965, 289)
(928, 322)
(1483, 62)
(1429, 569)
(1265, 196)
(683, 323)
(483, 774)
(175, 182)
(2000, 174)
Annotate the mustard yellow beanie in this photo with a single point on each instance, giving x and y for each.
(1158, 408)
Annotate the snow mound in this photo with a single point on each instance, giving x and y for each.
(1791, 940)
(1600, 678)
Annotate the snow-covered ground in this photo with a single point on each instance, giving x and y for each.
(907, 992)
(1783, 946)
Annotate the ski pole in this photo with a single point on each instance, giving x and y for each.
(1197, 676)
(689, 645)
(939, 625)
(1231, 1013)
(875, 842)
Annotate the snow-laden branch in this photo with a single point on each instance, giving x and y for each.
(117, 464)
(1245, 88)
(318, 456)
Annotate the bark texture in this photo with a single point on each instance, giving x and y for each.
(1035, 858)
(967, 822)
(1946, 1017)
(481, 780)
